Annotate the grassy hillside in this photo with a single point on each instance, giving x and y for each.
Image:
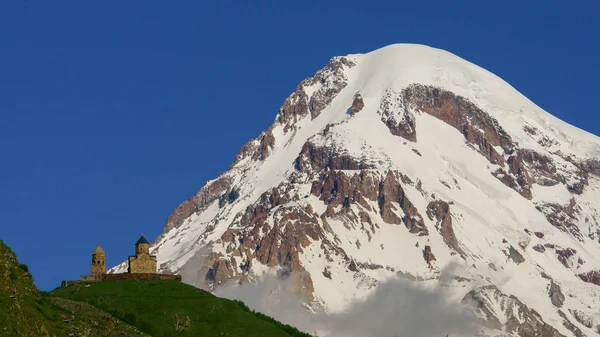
(172, 308)
(24, 312)
(123, 308)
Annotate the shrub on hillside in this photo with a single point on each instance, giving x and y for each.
(24, 267)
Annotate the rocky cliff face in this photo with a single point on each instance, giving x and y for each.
(405, 162)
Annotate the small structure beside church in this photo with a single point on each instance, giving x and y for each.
(98, 262)
(141, 266)
(98, 267)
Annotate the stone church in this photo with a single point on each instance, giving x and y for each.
(142, 262)
(141, 266)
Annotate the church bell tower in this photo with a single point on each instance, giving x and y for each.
(98, 266)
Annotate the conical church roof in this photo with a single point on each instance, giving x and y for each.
(99, 250)
(142, 240)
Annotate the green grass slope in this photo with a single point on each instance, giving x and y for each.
(24, 312)
(172, 308)
(123, 308)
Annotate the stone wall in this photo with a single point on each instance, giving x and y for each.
(140, 276)
(142, 263)
(68, 282)
(122, 277)
(91, 278)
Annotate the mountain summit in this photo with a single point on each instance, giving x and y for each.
(407, 162)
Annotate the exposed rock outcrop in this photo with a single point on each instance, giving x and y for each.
(222, 270)
(271, 236)
(337, 188)
(570, 326)
(206, 196)
(519, 319)
(543, 170)
(331, 80)
(478, 128)
(397, 117)
(591, 277)
(514, 255)
(315, 158)
(440, 211)
(391, 192)
(563, 217)
(357, 104)
(352, 266)
(583, 318)
(428, 255)
(566, 256)
(325, 85)
(556, 296)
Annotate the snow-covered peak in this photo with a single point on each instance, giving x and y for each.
(404, 163)
(399, 65)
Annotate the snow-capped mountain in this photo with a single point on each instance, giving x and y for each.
(407, 162)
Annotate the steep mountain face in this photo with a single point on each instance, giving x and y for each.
(407, 162)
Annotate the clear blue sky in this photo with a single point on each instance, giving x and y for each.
(114, 112)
